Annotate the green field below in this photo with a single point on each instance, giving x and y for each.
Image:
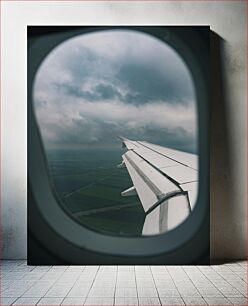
(89, 185)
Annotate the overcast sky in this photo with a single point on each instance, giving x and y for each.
(95, 87)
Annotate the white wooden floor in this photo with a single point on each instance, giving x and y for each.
(123, 285)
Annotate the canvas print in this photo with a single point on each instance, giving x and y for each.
(118, 117)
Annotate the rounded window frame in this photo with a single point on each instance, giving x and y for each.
(65, 232)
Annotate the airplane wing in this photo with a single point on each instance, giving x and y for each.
(165, 180)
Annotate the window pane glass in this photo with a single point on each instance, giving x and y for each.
(119, 97)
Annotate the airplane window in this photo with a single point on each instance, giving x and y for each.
(117, 114)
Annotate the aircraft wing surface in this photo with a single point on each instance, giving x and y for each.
(165, 180)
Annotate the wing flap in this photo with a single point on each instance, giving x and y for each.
(167, 216)
(165, 181)
(155, 182)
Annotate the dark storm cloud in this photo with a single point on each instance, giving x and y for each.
(143, 83)
(95, 87)
(148, 84)
(99, 92)
(107, 92)
(146, 77)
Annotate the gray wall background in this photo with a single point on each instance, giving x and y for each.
(228, 124)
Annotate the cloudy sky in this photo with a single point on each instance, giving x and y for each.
(94, 87)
